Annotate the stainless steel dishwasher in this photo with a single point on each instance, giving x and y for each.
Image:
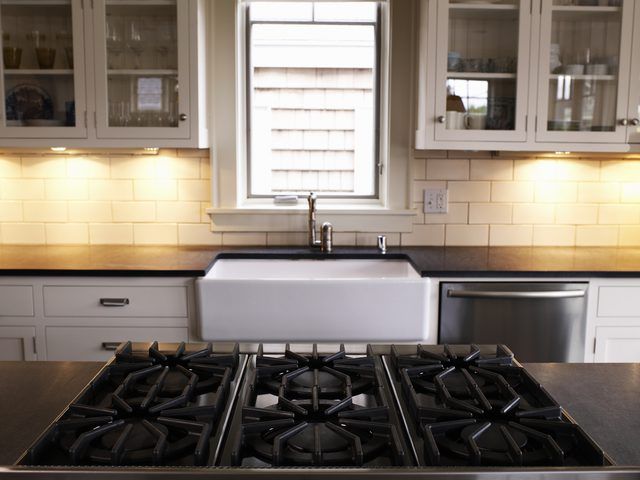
(539, 322)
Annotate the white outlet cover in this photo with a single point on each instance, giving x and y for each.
(436, 200)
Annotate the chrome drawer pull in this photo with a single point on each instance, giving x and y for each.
(519, 295)
(110, 346)
(114, 302)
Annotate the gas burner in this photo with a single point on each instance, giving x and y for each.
(477, 406)
(503, 443)
(148, 407)
(305, 375)
(316, 410)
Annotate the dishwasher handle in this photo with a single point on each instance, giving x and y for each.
(517, 295)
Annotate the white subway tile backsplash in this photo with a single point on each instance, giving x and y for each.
(67, 233)
(596, 236)
(111, 233)
(88, 167)
(111, 190)
(155, 234)
(619, 214)
(44, 167)
(45, 211)
(10, 167)
(134, 211)
(554, 235)
(23, 233)
(156, 189)
(510, 235)
(457, 213)
(491, 169)
(469, 191)
(576, 214)
(178, 212)
(533, 213)
(162, 198)
(22, 189)
(512, 191)
(198, 234)
(194, 190)
(489, 213)
(556, 192)
(428, 235)
(448, 169)
(66, 189)
(604, 192)
(467, 235)
(629, 236)
(90, 212)
(10, 211)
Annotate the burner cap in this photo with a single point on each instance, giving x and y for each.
(325, 380)
(457, 385)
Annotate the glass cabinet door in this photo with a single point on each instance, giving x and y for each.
(142, 71)
(42, 69)
(633, 114)
(482, 70)
(583, 81)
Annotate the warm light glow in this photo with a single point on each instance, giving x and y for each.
(563, 153)
(151, 150)
(58, 149)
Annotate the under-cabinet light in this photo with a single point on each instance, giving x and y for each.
(58, 149)
(563, 153)
(151, 150)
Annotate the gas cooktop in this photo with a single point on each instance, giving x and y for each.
(314, 409)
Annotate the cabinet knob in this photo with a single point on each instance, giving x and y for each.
(441, 119)
(635, 122)
(624, 122)
(183, 117)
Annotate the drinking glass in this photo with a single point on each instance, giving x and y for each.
(135, 41)
(115, 43)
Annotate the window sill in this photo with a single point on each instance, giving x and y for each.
(294, 219)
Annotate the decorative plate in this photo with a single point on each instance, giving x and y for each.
(27, 101)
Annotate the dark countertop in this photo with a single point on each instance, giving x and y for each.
(429, 261)
(603, 398)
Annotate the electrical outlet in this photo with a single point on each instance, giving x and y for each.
(436, 200)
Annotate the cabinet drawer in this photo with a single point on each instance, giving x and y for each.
(97, 343)
(619, 301)
(112, 301)
(16, 301)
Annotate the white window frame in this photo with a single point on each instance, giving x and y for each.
(231, 208)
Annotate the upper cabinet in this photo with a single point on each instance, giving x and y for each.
(43, 81)
(528, 75)
(481, 86)
(104, 73)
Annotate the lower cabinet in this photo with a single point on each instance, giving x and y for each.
(17, 343)
(617, 344)
(99, 343)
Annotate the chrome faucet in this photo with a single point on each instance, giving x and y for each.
(326, 234)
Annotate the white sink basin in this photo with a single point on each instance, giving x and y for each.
(335, 300)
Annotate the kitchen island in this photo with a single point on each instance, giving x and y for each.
(603, 398)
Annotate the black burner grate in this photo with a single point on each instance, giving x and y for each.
(149, 407)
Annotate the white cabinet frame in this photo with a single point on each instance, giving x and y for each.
(586, 137)
(519, 134)
(79, 131)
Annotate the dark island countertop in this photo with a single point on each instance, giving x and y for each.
(122, 260)
(603, 398)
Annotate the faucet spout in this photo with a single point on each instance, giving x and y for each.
(312, 198)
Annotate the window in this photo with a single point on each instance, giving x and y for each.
(312, 102)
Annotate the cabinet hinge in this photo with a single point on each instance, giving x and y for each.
(536, 125)
(594, 344)
(35, 345)
(526, 123)
(95, 120)
(86, 122)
